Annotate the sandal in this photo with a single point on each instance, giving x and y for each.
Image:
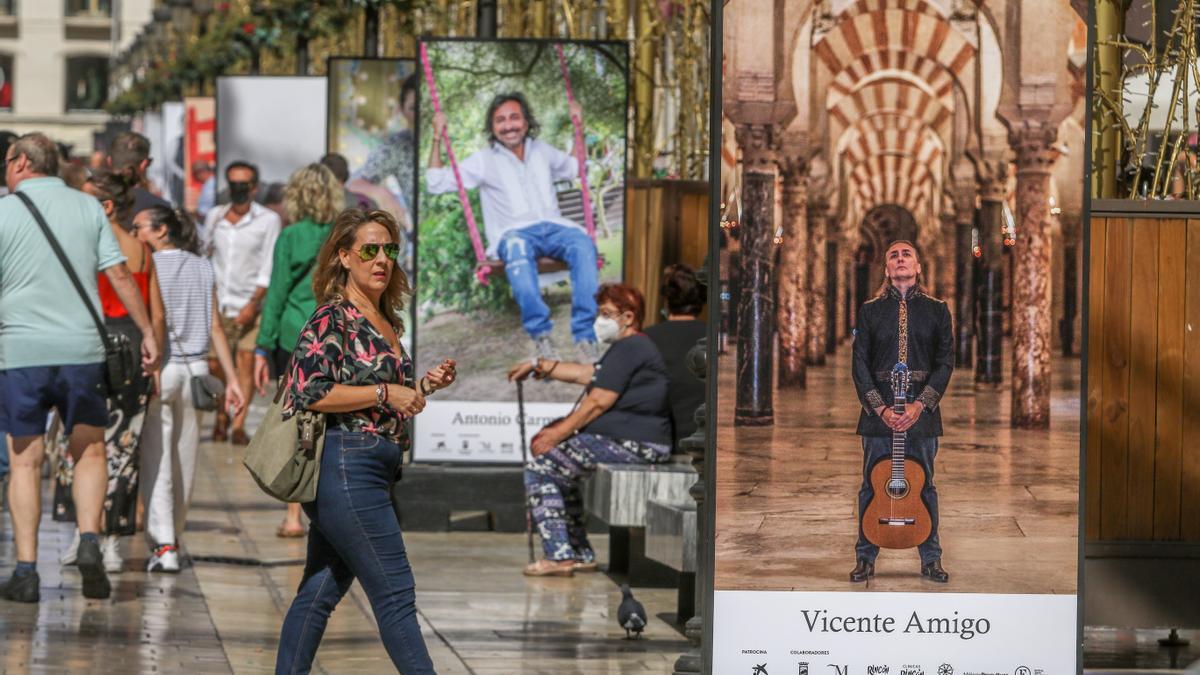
(550, 568)
(284, 533)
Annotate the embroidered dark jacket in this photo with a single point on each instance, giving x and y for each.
(877, 348)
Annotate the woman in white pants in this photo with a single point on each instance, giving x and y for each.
(172, 431)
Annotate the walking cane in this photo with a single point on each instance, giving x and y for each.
(524, 460)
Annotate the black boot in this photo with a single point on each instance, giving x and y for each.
(22, 588)
(934, 571)
(862, 571)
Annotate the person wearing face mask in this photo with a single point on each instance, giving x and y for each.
(622, 418)
(240, 238)
(515, 173)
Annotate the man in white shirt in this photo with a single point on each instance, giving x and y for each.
(515, 175)
(240, 238)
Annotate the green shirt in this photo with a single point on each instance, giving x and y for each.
(43, 321)
(290, 300)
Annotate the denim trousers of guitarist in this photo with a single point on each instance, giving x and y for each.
(355, 535)
(924, 450)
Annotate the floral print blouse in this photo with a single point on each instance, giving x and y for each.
(339, 345)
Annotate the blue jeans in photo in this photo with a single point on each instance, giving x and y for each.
(923, 450)
(355, 535)
(520, 250)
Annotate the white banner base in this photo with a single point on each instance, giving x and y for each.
(478, 432)
(879, 633)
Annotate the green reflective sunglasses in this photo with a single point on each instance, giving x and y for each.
(367, 252)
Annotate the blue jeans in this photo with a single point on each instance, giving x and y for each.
(520, 250)
(355, 535)
(924, 450)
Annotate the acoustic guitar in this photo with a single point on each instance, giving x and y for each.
(897, 516)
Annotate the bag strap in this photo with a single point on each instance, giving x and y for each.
(62, 258)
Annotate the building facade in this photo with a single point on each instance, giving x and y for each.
(54, 60)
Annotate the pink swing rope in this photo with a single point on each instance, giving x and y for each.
(481, 270)
(580, 149)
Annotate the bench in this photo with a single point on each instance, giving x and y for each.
(671, 540)
(622, 495)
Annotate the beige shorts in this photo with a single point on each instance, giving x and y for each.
(240, 338)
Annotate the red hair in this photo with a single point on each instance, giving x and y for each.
(626, 298)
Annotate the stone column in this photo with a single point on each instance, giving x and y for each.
(943, 252)
(1031, 277)
(793, 278)
(833, 299)
(1071, 229)
(818, 309)
(989, 293)
(756, 306)
(964, 278)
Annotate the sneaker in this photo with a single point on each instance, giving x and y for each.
(164, 559)
(109, 546)
(543, 348)
(22, 589)
(91, 567)
(68, 557)
(589, 351)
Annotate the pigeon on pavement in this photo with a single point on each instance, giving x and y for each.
(631, 614)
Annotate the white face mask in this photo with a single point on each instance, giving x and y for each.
(606, 329)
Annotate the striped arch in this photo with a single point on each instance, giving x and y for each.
(938, 78)
(892, 95)
(892, 178)
(891, 30)
(889, 133)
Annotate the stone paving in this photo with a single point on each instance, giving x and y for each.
(223, 613)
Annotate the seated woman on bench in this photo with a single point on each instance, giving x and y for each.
(622, 418)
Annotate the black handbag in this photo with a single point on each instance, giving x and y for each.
(121, 364)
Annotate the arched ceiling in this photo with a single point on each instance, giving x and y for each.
(890, 70)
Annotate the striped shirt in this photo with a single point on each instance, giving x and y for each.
(186, 281)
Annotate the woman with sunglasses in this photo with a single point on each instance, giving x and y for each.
(313, 198)
(350, 365)
(622, 418)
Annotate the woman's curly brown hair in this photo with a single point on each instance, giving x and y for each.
(313, 192)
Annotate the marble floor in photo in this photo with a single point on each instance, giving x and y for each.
(223, 614)
(786, 494)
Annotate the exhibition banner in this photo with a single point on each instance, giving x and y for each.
(897, 396)
(513, 238)
(276, 123)
(372, 125)
(199, 143)
(895, 634)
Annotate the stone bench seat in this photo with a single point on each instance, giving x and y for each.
(671, 534)
(618, 493)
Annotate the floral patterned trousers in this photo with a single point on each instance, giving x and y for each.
(554, 488)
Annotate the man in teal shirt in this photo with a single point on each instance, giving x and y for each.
(51, 355)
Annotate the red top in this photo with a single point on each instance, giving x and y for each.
(111, 303)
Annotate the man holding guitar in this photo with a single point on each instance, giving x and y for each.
(903, 358)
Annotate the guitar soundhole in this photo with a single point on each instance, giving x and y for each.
(897, 488)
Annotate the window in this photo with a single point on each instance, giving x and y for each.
(85, 8)
(6, 81)
(87, 82)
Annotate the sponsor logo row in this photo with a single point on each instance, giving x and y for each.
(816, 668)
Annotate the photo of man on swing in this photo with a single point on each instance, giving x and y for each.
(516, 173)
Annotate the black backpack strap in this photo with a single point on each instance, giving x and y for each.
(62, 258)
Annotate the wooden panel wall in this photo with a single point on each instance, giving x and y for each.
(1142, 473)
(667, 223)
